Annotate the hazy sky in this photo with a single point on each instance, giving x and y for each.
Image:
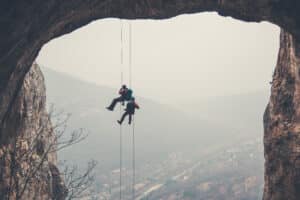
(190, 56)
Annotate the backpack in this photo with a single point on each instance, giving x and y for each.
(130, 107)
(128, 94)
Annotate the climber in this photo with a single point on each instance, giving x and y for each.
(125, 93)
(130, 109)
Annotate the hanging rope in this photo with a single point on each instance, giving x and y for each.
(133, 124)
(121, 139)
(130, 55)
(120, 161)
(121, 49)
(133, 160)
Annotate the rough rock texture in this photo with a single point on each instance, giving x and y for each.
(282, 125)
(27, 25)
(30, 133)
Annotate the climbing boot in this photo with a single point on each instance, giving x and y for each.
(109, 108)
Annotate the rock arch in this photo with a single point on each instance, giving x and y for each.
(27, 25)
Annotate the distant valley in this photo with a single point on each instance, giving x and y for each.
(181, 153)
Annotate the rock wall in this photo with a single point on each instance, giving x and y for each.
(27, 171)
(282, 125)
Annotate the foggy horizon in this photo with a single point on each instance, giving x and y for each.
(171, 55)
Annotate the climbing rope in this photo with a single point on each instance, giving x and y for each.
(133, 124)
(121, 70)
(133, 160)
(130, 55)
(120, 161)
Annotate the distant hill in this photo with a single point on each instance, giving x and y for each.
(243, 112)
(160, 129)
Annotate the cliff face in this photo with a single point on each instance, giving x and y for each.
(282, 125)
(26, 27)
(27, 171)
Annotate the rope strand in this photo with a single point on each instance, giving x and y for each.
(121, 160)
(133, 159)
(121, 38)
(133, 124)
(130, 55)
(121, 69)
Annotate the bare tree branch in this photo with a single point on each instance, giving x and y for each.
(30, 153)
(79, 184)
